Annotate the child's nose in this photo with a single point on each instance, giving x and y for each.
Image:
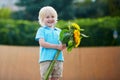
(51, 18)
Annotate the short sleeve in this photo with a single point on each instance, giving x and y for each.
(39, 34)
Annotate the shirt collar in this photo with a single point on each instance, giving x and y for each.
(46, 27)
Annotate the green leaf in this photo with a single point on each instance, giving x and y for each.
(62, 34)
(81, 29)
(84, 35)
(70, 48)
(70, 43)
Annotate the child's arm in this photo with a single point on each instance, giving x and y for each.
(49, 45)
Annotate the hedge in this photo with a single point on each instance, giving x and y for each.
(17, 32)
(100, 31)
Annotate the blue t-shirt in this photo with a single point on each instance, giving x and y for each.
(50, 35)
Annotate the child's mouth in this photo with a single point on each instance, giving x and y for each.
(51, 22)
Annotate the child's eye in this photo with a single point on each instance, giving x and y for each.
(52, 16)
(47, 17)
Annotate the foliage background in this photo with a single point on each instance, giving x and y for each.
(100, 31)
(99, 18)
(71, 9)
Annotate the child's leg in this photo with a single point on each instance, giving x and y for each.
(43, 68)
(57, 71)
(54, 79)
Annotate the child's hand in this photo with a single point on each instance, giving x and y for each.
(61, 47)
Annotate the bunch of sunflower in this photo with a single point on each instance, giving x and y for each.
(72, 38)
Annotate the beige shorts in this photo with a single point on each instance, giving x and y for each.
(57, 71)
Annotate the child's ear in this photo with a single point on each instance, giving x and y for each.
(56, 21)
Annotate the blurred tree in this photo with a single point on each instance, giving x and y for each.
(69, 9)
(114, 7)
(91, 8)
(5, 13)
(63, 7)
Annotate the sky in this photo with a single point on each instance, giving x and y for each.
(8, 3)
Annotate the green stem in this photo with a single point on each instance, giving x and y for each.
(51, 66)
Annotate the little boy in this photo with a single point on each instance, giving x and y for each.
(48, 38)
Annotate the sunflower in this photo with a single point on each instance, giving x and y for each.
(78, 42)
(77, 37)
(76, 26)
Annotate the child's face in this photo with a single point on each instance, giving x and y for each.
(49, 20)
